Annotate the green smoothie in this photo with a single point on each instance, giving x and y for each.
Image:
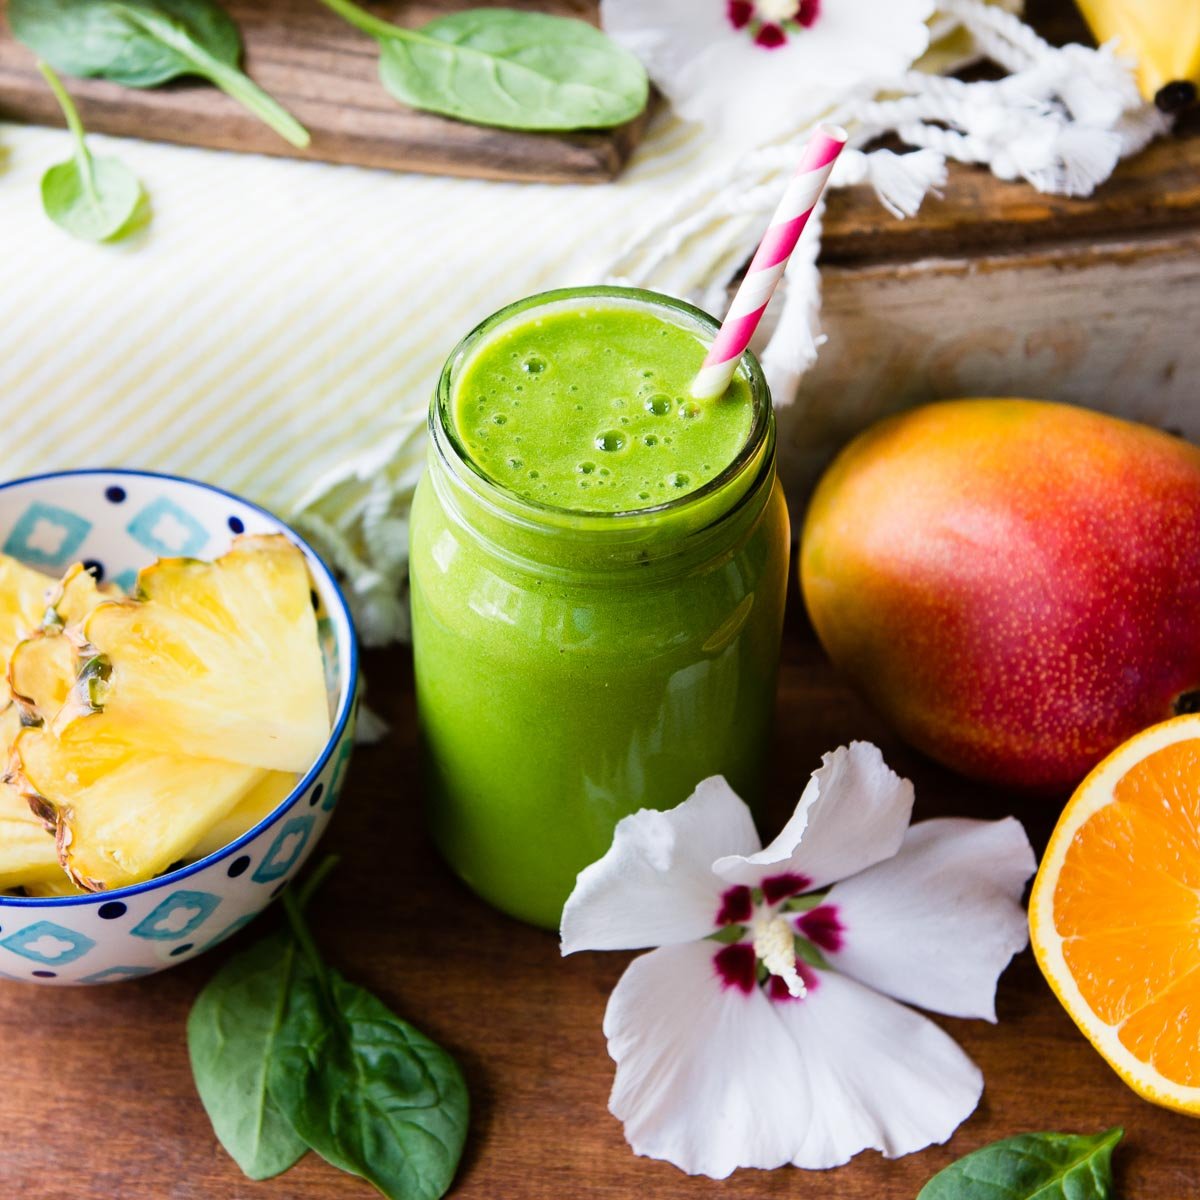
(587, 408)
(597, 602)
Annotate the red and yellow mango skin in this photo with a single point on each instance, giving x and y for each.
(1014, 584)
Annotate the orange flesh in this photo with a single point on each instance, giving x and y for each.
(1127, 906)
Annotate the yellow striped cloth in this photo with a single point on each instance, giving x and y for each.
(275, 317)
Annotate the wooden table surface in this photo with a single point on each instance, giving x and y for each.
(97, 1101)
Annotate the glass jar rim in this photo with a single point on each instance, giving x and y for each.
(526, 510)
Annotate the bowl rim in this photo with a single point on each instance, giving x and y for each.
(346, 700)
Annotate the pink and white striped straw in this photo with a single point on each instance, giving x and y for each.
(767, 266)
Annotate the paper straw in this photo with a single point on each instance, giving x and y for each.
(769, 262)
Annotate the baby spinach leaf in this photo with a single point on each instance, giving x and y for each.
(1048, 1166)
(498, 66)
(142, 43)
(366, 1091)
(232, 1031)
(288, 1055)
(92, 198)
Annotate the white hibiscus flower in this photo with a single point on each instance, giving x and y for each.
(760, 70)
(765, 1027)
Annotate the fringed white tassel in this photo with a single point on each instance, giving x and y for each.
(901, 181)
(1139, 127)
(371, 727)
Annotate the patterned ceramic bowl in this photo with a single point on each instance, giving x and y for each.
(117, 521)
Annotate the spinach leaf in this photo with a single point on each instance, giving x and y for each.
(142, 43)
(93, 198)
(232, 1031)
(498, 66)
(365, 1090)
(1048, 1166)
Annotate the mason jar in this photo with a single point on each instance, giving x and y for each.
(574, 666)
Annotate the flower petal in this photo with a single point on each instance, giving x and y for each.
(706, 1077)
(656, 886)
(712, 1078)
(853, 814)
(936, 924)
(749, 94)
(882, 1076)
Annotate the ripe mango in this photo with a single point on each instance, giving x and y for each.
(1014, 584)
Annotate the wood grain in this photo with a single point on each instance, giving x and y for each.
(97, 1100)
(1158, 191)
(324, 73)
(1108, 324)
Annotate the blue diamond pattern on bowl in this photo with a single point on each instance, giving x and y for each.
(285, 850)
(177, 916)
(112, 974)
(339, 771)
(46, 942)
(126, 581)
(168, 530)
(228, 932)
(46, 536)
(327, 636)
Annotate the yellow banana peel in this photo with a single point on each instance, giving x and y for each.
(1163, 36)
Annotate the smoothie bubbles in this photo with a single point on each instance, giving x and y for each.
(585, 406)
(599, 561)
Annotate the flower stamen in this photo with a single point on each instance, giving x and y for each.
(775, 948)
(777, 11)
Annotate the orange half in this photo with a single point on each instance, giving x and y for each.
(1115, 912)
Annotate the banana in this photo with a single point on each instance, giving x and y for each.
(1162, 35)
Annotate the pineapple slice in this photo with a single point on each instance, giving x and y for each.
(42, 667)
(41, 674)
(28, 855)
(23, 593)
(215, 660)
(260, 801)
(61, 886)
(75, 595)
(123, 814)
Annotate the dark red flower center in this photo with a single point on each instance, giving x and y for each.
(781, 887)
(740, 12)
(769, 31)
(737, 966)
(822, 927)
(737, 905)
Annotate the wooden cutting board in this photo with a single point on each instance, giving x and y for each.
(97, 1100)
(324, 72)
